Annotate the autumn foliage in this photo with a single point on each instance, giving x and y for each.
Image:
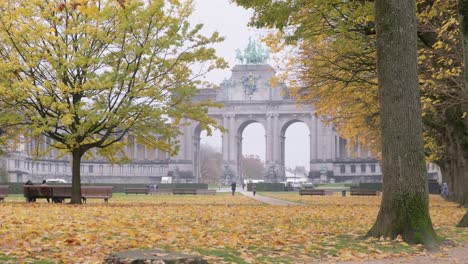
(222, 228)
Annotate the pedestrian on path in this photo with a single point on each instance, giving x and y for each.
(444, 192)
(254, 189)
(233, 188)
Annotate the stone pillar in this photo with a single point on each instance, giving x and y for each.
(337, 147)
(269, 140)
(196, 158)
(276, 142)
(232, 138)
(314, 139)
(134, 148)
(225, 136)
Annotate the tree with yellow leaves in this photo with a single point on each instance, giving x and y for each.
(335, 71)
(87, 73)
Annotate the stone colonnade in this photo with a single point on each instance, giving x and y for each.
(322, 142)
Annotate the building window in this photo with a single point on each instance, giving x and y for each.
(353, 168)
(43, 166)
(56, 167)
(372, 168)
(343, 168)
(16, 163)
(363, 168)
(90, 168)
(50, 167)
(100, 169)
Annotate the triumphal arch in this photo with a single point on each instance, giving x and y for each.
(248, 97)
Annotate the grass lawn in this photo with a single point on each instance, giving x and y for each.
(223, 228)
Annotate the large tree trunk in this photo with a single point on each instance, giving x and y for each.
(464, 221)
(463, 18)
(405, 203)
(76, 177)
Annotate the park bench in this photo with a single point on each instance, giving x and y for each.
(184, 191)
(3, 191)
(206, 192)
(311, 192)
(136, 190)
(364, 192)
(58, 193)
(96, 192)
(160, 191)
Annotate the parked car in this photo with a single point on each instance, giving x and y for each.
(56, 181)
(308, 185)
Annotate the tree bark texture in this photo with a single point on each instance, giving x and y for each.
(76, 177)
(405, 202)
(464, 221)
(462, 177)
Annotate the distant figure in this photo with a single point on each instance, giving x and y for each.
(444, 192)
(29, 199)
(156, 186)
(243, 185)
(254, 189)
(233, 188)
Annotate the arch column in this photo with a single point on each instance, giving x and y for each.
(230, 149)
(196, 157)
(314, 138)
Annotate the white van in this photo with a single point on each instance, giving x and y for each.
(56, 181)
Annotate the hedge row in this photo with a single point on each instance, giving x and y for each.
(17, 187)
(266, 187)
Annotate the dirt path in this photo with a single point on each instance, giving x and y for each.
(268, 200)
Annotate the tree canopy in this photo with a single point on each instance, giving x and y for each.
(86, 73)
(335, 71)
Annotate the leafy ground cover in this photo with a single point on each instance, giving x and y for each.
(223, 228)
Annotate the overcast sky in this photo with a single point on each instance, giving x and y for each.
(231, 22)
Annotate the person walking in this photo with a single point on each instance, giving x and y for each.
(254, 189)
(444, 191)
(233, 188)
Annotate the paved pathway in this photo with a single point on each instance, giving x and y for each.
(268, 200)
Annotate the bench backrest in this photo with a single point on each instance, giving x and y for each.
(4, 189)
(184, 191)
(160, 191)
(64, 191)
(61, 191)
(104, 191)
(37, 191)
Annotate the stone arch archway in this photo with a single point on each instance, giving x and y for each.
(282, 141)
(242, 125)
(270, 106)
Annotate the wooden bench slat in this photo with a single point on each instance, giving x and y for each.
(184, 191)
(136, 190)
(311, 192)
(363, 192)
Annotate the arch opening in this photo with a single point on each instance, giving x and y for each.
(295, 151)
(251, 151)
(208, 159)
